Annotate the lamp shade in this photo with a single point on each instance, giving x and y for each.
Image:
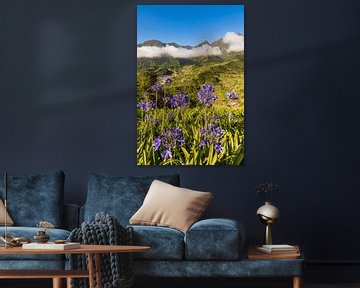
(269, 211)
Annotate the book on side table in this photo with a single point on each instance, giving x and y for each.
(51, 246)
(274, 252)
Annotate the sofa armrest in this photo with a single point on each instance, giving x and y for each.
(71, 216)
(215, 239)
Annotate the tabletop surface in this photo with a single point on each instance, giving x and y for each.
(92, 249)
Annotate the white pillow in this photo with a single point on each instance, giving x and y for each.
(170, 206)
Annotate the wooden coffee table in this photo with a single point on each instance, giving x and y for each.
(92, 251)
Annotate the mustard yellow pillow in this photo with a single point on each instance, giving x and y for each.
(9, 221)
(170, 206)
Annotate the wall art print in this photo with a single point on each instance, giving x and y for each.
(190, 84)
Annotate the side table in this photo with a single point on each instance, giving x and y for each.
(289, 261)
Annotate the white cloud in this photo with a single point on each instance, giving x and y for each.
(235, 41)
(177, 52)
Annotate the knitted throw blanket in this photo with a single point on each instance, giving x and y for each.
(116, 268)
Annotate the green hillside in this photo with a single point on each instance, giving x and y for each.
(226, 74)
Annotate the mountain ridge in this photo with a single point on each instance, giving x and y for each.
(157, 43)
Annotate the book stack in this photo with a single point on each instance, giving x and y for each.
(51, 246)
(279, 249)
(282, 251)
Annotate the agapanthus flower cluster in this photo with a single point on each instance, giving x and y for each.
(178, 100)
(168, 140)
(206, 95)
(166, 80)
(146, 105)
(232, 95)
(156, 87)
(212, 135)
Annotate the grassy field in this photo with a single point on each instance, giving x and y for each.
(191, 112)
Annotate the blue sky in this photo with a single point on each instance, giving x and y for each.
(188, 24)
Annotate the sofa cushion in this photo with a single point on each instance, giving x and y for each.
(35, 198)
(214, 269)
(170, 206)
(29, 232)
(165, 243)
(39, 264)
(214, 239)
(9, 221)
(119, 196)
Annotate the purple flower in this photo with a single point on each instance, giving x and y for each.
(157, 143)
(211, 135)
(179, 100)
(167, 80)
(168, 140)
(202, 143)
(178, 135)
(206, 95)
(232, 95)
(216, 130)
(217, 147)
(146, 105)
(156, 87)
(166, 154)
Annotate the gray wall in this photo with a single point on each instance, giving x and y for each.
(67, 100)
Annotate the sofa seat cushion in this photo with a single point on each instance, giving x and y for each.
(166, 243)
(35, 198)
(214, 239)
(39, 264)
(119, 196)
(213, 269)
(29, 232)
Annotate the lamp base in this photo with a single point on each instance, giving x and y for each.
(268, 237)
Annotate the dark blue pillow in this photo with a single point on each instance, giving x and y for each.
(35, 198)
(119, 196)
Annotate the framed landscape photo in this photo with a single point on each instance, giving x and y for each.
(190, 84)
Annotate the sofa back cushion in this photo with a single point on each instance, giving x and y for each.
(120, 196)
(35, 198)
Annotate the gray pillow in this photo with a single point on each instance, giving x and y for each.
(120, 196)
(35, 198)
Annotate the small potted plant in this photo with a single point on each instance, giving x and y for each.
(41, 236)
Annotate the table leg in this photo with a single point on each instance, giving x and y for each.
(68, 282)
(98, 270)
(91, 270)
(297, 282)
(57, 283)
